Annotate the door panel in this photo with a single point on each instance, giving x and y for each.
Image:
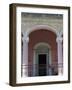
(42, 64)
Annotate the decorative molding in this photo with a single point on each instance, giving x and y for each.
(46, 27)
(60, 33)
(59, 39)
(42, 43)
(59, 36)
(25, 37)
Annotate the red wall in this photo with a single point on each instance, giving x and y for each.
(38, 36)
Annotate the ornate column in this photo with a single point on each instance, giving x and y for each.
(25, 55)
(60, 56)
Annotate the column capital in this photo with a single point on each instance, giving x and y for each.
(59, 39)
(25, 37)
(59, 33)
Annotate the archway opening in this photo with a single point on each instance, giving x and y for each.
(42, 59)
(42, 40)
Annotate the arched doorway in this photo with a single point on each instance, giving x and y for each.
(42, 40)
(42, 59)
(41, 37)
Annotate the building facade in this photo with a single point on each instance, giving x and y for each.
(42, 44)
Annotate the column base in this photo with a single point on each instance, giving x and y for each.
(24, 72)
(60, 71)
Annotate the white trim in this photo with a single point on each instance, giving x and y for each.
(50, 61)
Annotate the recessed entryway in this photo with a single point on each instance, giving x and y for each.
(42, 60)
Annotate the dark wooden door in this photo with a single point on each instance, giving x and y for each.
(42, 65)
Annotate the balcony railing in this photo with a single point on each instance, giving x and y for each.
(34, 68)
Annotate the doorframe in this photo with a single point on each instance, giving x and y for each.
(35, 72)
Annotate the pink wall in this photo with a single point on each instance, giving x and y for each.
(38, 36)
